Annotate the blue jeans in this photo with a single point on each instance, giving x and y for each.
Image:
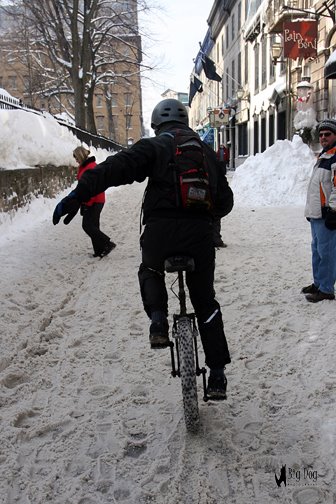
(323, 256)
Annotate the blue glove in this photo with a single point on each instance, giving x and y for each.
(68, 206)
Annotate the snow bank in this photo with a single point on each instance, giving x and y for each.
(26, 145)
(30, 139)
(279, 176)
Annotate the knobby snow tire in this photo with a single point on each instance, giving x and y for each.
(188, 374)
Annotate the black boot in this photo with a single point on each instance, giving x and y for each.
(217, 383)
(158, 331)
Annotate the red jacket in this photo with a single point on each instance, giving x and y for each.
(89, 164)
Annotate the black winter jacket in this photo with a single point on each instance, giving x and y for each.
(150, 158)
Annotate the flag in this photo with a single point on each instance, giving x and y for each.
(210, 69)
(195, 86)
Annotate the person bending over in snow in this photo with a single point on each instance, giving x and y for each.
(178, 213)
(91, 209)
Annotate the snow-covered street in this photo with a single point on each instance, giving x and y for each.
(91, 415)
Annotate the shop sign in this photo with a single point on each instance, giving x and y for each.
(300, 39)
(218, 117)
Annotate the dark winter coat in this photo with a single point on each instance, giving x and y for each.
(150, 158)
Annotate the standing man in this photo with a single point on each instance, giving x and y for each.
(320, 211)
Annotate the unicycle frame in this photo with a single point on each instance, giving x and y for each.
(185, 335)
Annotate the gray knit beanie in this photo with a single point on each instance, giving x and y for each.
(327, 124)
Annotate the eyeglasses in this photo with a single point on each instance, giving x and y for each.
(327, 134)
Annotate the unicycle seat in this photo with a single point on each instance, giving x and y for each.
(179, 263)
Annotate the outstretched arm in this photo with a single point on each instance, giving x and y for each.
(125, 167)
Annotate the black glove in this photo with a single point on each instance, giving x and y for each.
(330, 220)
(68, 206)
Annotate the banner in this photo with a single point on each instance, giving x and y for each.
(210, 69)
(195, 86)
(300, 39)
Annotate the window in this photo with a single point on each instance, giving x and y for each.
(306, 71)
(12, 82)
(114, 100)
(26, 83)
(256, 68)
(128, 121)
(128, 99)
(239, 16)
(242, 139)
(99, 101)
(227, 36)
(233, 80)
(100, 122)
(271, 130)
(271, 69)
(255, 136)
(246, 64)
(263, 62)
(233, 28)
(271, 65)
(239, 74)
(227, 84)
(281, 123)
(263, 134)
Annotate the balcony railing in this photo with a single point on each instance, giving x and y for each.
(279, 11)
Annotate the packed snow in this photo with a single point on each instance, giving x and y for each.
(91, 415)
(25, 140)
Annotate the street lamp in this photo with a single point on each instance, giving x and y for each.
(240, 93)
(276, 51)
(241, 96)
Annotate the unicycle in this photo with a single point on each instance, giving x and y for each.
(183, 347)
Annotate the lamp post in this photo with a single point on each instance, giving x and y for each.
(276, 53)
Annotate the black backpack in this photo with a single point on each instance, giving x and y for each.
(191, 174)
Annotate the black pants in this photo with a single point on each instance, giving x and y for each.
(217, 236)
(194, 238)
(91, 226)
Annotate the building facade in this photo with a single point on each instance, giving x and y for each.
(258, 92)
(117, 101)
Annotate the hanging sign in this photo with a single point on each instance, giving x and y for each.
(300, 39)
(218, 117)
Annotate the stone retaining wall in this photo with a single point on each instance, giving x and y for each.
(18, 187)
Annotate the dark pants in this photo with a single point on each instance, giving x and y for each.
(91, 226)
(193, 238)
(217, 236)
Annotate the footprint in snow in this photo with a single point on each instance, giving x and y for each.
(248, 436)
(308, 496)
(14, 379)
